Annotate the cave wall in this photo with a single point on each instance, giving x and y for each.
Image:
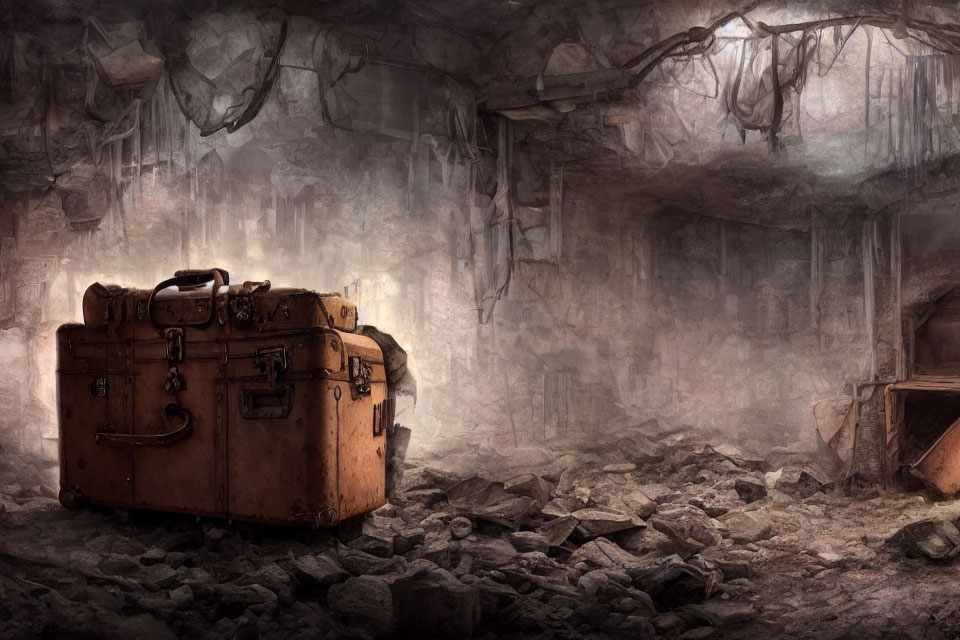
(534, 304)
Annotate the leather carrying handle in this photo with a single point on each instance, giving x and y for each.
(151, 440)
(186, 279)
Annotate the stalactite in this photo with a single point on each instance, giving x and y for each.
(866, 91)
(868, 251)
(414, 151)
(493, 233)
(556, 211)
(816, 269)
(777, 93)
(896, 273)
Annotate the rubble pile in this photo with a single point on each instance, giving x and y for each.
(642, 537)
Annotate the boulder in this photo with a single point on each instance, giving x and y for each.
(481, 499)
(494, 595)
(600, 554)
(557, 531)
(489, 553)
(563, 506)
(526, 615)
(524, 541)
(714, 503)
(750, 489)
(531, 486)
(374, 540)
(802, 481)
(408, 538)
(934, 539)
(317, 570)
(686, 524)
(364, 603)
(431, 603)
(361, 563)
(441, 552)
(743, 527)
(671, 582)
(639, 503)
(641, 449)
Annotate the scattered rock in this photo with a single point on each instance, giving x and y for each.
(699, 633)
(750, 489)
(374, 540)
(361, 563)
(935, 539)
(722, 613)
(557, 531)
(440, 552)
(118, 566)
(318, 570)
(408, 538)
(489, 553)
(743, 527)
(802, 481)
(687, 525)
(741, 458)
(600, 554)
(597, 522)
(153, 555)
(714, 503)
(524, 541)
(460, 528)
(181, 597)
(659, 493)
(481, 499)
(641, 449)
(667, 622)
(427, 497)
(530, 485)
(639, 503)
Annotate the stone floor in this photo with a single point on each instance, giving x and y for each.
(650, 535)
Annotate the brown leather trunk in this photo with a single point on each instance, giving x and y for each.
(233, 401)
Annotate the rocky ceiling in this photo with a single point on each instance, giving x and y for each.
(669, 104)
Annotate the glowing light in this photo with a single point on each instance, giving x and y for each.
(734, 29)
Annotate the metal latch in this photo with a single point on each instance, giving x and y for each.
(360, 375)
(272, 361)
(174, 339)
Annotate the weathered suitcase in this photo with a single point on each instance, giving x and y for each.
(242, 402)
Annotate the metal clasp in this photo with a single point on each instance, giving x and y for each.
(360, 375)
(272, 361)
(174, 339)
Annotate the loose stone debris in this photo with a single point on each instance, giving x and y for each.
(634, 538)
